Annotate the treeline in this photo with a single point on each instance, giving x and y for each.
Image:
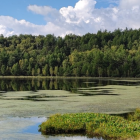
(105, 54)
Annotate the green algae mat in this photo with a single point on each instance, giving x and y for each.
(110, 99)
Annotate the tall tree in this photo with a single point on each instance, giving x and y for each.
(51, 71)
(56, 70)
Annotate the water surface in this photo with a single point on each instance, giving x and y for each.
(16, 128)
(24, 104)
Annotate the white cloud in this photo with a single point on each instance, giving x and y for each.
(80, 19)
(43, 10)
(10, 26)
(129, 4)
(5, 31)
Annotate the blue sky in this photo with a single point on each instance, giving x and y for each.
(18, 8)
(61, 17)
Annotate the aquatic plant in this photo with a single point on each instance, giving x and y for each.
(94, 124)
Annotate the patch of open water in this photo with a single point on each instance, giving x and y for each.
(16, 128)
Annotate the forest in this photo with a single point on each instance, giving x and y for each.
(104, 54)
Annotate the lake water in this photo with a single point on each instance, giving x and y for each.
(27, 129)
(25, 104)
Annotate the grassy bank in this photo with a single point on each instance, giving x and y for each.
(93, 124)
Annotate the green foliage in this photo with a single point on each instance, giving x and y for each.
(105, 54)
(51, 71)
(15, 69)
(134, 116)
(45, 70)
(3, 70)
(106, 126)
(56, 70)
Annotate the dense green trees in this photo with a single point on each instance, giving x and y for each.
(105, 54)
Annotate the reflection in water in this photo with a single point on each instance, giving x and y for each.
(56, 84)
(16, 128)
(27, 128)
(71, 138)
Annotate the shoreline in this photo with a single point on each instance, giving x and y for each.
(63, 77)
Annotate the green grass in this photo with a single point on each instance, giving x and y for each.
(94, 124)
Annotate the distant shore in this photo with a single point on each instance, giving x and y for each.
(63, 77)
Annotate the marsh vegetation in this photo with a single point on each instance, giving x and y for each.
(95, 124)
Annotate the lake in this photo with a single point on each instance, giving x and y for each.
(26, 103)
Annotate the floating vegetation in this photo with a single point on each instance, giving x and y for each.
(94, 124)
(127, 80)
(110, 99)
